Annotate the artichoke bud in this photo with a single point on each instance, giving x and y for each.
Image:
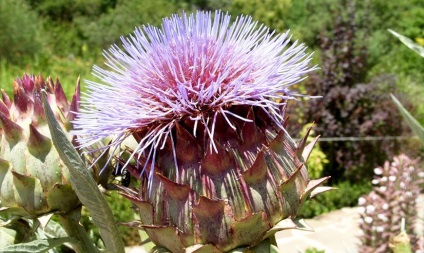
(251, 187)
(33, 179)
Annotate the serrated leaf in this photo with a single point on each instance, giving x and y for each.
(37, 246)
(409, 43)
(84, 184)
(412, 122)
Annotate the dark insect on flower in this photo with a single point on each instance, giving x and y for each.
(126, 177)
(123, 173)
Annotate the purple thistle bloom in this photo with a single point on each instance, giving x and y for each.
(194, 67)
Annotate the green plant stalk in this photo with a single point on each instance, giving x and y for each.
(84, 185)
(71, 223)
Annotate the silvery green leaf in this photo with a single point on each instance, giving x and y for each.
(412, 122)
(54, 229)
(7, 236)
(37, 246)
(84, 185)
(409, 43)
(14, 230)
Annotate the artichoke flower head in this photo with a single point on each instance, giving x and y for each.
(204, 98)
(33, 179)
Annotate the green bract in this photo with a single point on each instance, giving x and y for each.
(33, 179)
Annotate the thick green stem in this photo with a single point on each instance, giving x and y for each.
(71, 224)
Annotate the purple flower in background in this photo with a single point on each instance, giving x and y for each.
(194, 67)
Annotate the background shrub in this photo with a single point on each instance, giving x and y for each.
(20, 31)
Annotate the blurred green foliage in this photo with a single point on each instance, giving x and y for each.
(270, 12)
(19, 31)
(82, 29)
(102, 31)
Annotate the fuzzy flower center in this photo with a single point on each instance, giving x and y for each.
(193, 79)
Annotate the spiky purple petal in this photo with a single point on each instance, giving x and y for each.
(194, 67)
